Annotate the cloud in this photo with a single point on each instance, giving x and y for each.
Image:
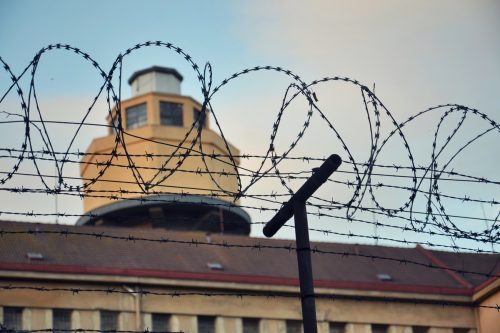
(422, 53)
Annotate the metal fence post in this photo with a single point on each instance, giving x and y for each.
(296, 206)
(305, 267)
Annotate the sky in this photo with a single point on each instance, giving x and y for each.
(415, 54)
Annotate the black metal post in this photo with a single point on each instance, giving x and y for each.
(319, 176)
(305, 267)
(297, 206)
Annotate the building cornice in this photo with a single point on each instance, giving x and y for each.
(443, 266)
(486, 289)
(156, 278)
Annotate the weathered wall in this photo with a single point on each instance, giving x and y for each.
(489, 320)
(229, 311)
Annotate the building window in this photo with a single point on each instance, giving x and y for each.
(61, 320)
(377, 328)
(170, 114)
(206, 324)
(13, 318)
(337, 327)
(293, 326)
(137, 116)
(109, 320)
(420, 329)
(115, 125)
(198, 118)
(251, 325)
(160, 322)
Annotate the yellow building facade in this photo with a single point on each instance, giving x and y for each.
(160, 141)
(165, 152)
(98, 283)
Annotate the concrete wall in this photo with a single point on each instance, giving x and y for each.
(229, 311)
(489, 320)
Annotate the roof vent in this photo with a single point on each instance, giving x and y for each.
(34, 256)
(384, 277)
(215, 266)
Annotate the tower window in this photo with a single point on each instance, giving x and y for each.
(137, 116)
(115, 125)
(198, 118)
(171, 114)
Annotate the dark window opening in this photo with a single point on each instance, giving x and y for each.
(109, 320)
(137, 116)
(171, 114)
(251, 325)
(378, 328)
(115, 125)
(199, 118)
(13, 318)
(337, 328)
(294, 326)
(160, 322)
(206, 324)
(61, 320)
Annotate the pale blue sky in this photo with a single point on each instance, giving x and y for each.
(397, 44)
(419, 54)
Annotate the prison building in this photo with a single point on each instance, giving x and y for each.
(194, 282)
(163, 245)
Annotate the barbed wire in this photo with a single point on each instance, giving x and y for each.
(317, 249)
(227, 194)
(348, 234)
(151, 156)
(5, 329)
(483, 236)
(423, 210)
(241, 295)
(214, 155)
(191, 144)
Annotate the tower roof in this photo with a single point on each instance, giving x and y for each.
(160, 69)
(174, 212)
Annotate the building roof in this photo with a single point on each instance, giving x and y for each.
(172, 212)
(182, 255)
(160, 69)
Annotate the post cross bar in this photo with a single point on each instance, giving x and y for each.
(296, 206)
